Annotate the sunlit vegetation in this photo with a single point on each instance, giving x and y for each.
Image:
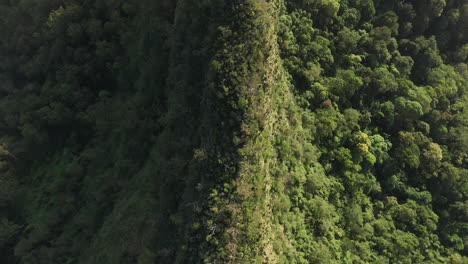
(254, 131)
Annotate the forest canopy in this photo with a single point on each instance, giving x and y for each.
(247, 131)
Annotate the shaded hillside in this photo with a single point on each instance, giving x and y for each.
(253, 131)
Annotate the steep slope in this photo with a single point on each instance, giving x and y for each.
(252, 131)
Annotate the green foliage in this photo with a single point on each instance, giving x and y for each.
(384, 80)
(303, 131)
(345, 84)
(7, 231)
(328, 7)
(380, 148)
(367, 8)
(388, 19)
(410, 109)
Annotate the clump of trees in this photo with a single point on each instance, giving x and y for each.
(302, 131)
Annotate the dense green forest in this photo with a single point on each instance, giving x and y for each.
(233, 131)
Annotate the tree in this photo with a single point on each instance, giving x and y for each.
(437, 7)
(380, 148)
(328, 123)
(384, 81)
(347, 40)
(408, 151)
(345, 84)
(420, 95)
(411, 110)
(390, 20)
(381, 38)
(432, 156)
(366, 7)
(329, 7)
(404, 65)
(445, 80)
